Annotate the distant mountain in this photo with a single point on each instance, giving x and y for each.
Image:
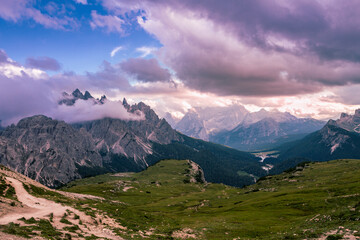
(236, 127)
(333, 141)
(192, 125)
(222, 118)
(170, 119)
(202, 122)
(54, 152)
(268, 132)
(277, 116)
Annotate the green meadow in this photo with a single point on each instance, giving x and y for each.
(162, 203)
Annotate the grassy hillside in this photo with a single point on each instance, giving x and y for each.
(162, 202)
(221, 164)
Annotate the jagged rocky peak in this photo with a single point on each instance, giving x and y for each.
(349, 122)
(103, 99)
(331, 122)
(78, 94)
(149, 113)
(70, 99)
(344, 115)
(87, 95)
(125, 103)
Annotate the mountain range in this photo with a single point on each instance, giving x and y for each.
(336, 140)
(267, 133)
(238, 128)
(54, 152)
(202, 122)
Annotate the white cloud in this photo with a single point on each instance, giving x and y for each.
(86, 111)
(115, 50)
(81, 1)
(146, 50)
(111, 23)
(12, 70)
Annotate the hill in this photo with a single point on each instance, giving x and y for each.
(316, 199)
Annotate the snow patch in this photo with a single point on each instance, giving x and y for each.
(334, 147)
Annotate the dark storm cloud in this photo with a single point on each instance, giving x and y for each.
(327, 28)
(146, 70)
(255, 47)
(43, 63)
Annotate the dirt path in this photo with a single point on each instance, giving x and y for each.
(42, 208)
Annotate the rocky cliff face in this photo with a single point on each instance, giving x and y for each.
(349, 122)
(54, 152)
(47, 150)
(131, 139)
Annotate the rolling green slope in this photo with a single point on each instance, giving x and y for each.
(164, 202)
(220, 164)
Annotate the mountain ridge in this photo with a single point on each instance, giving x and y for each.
(232, 126)
(55, 152)
(337, 139)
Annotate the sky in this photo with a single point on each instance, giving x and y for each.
(300, 56)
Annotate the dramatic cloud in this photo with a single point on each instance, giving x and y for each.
(146, 70)
(22, 95)
(115, 50)
(16, 10)
(27, 91)
(111, 23)
(86, 111)
(43, 63)
(255, 48)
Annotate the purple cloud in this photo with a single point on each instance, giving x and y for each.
(255, 48)
(111, 23)
(43, 63)
(31, 91)
(145, 70)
